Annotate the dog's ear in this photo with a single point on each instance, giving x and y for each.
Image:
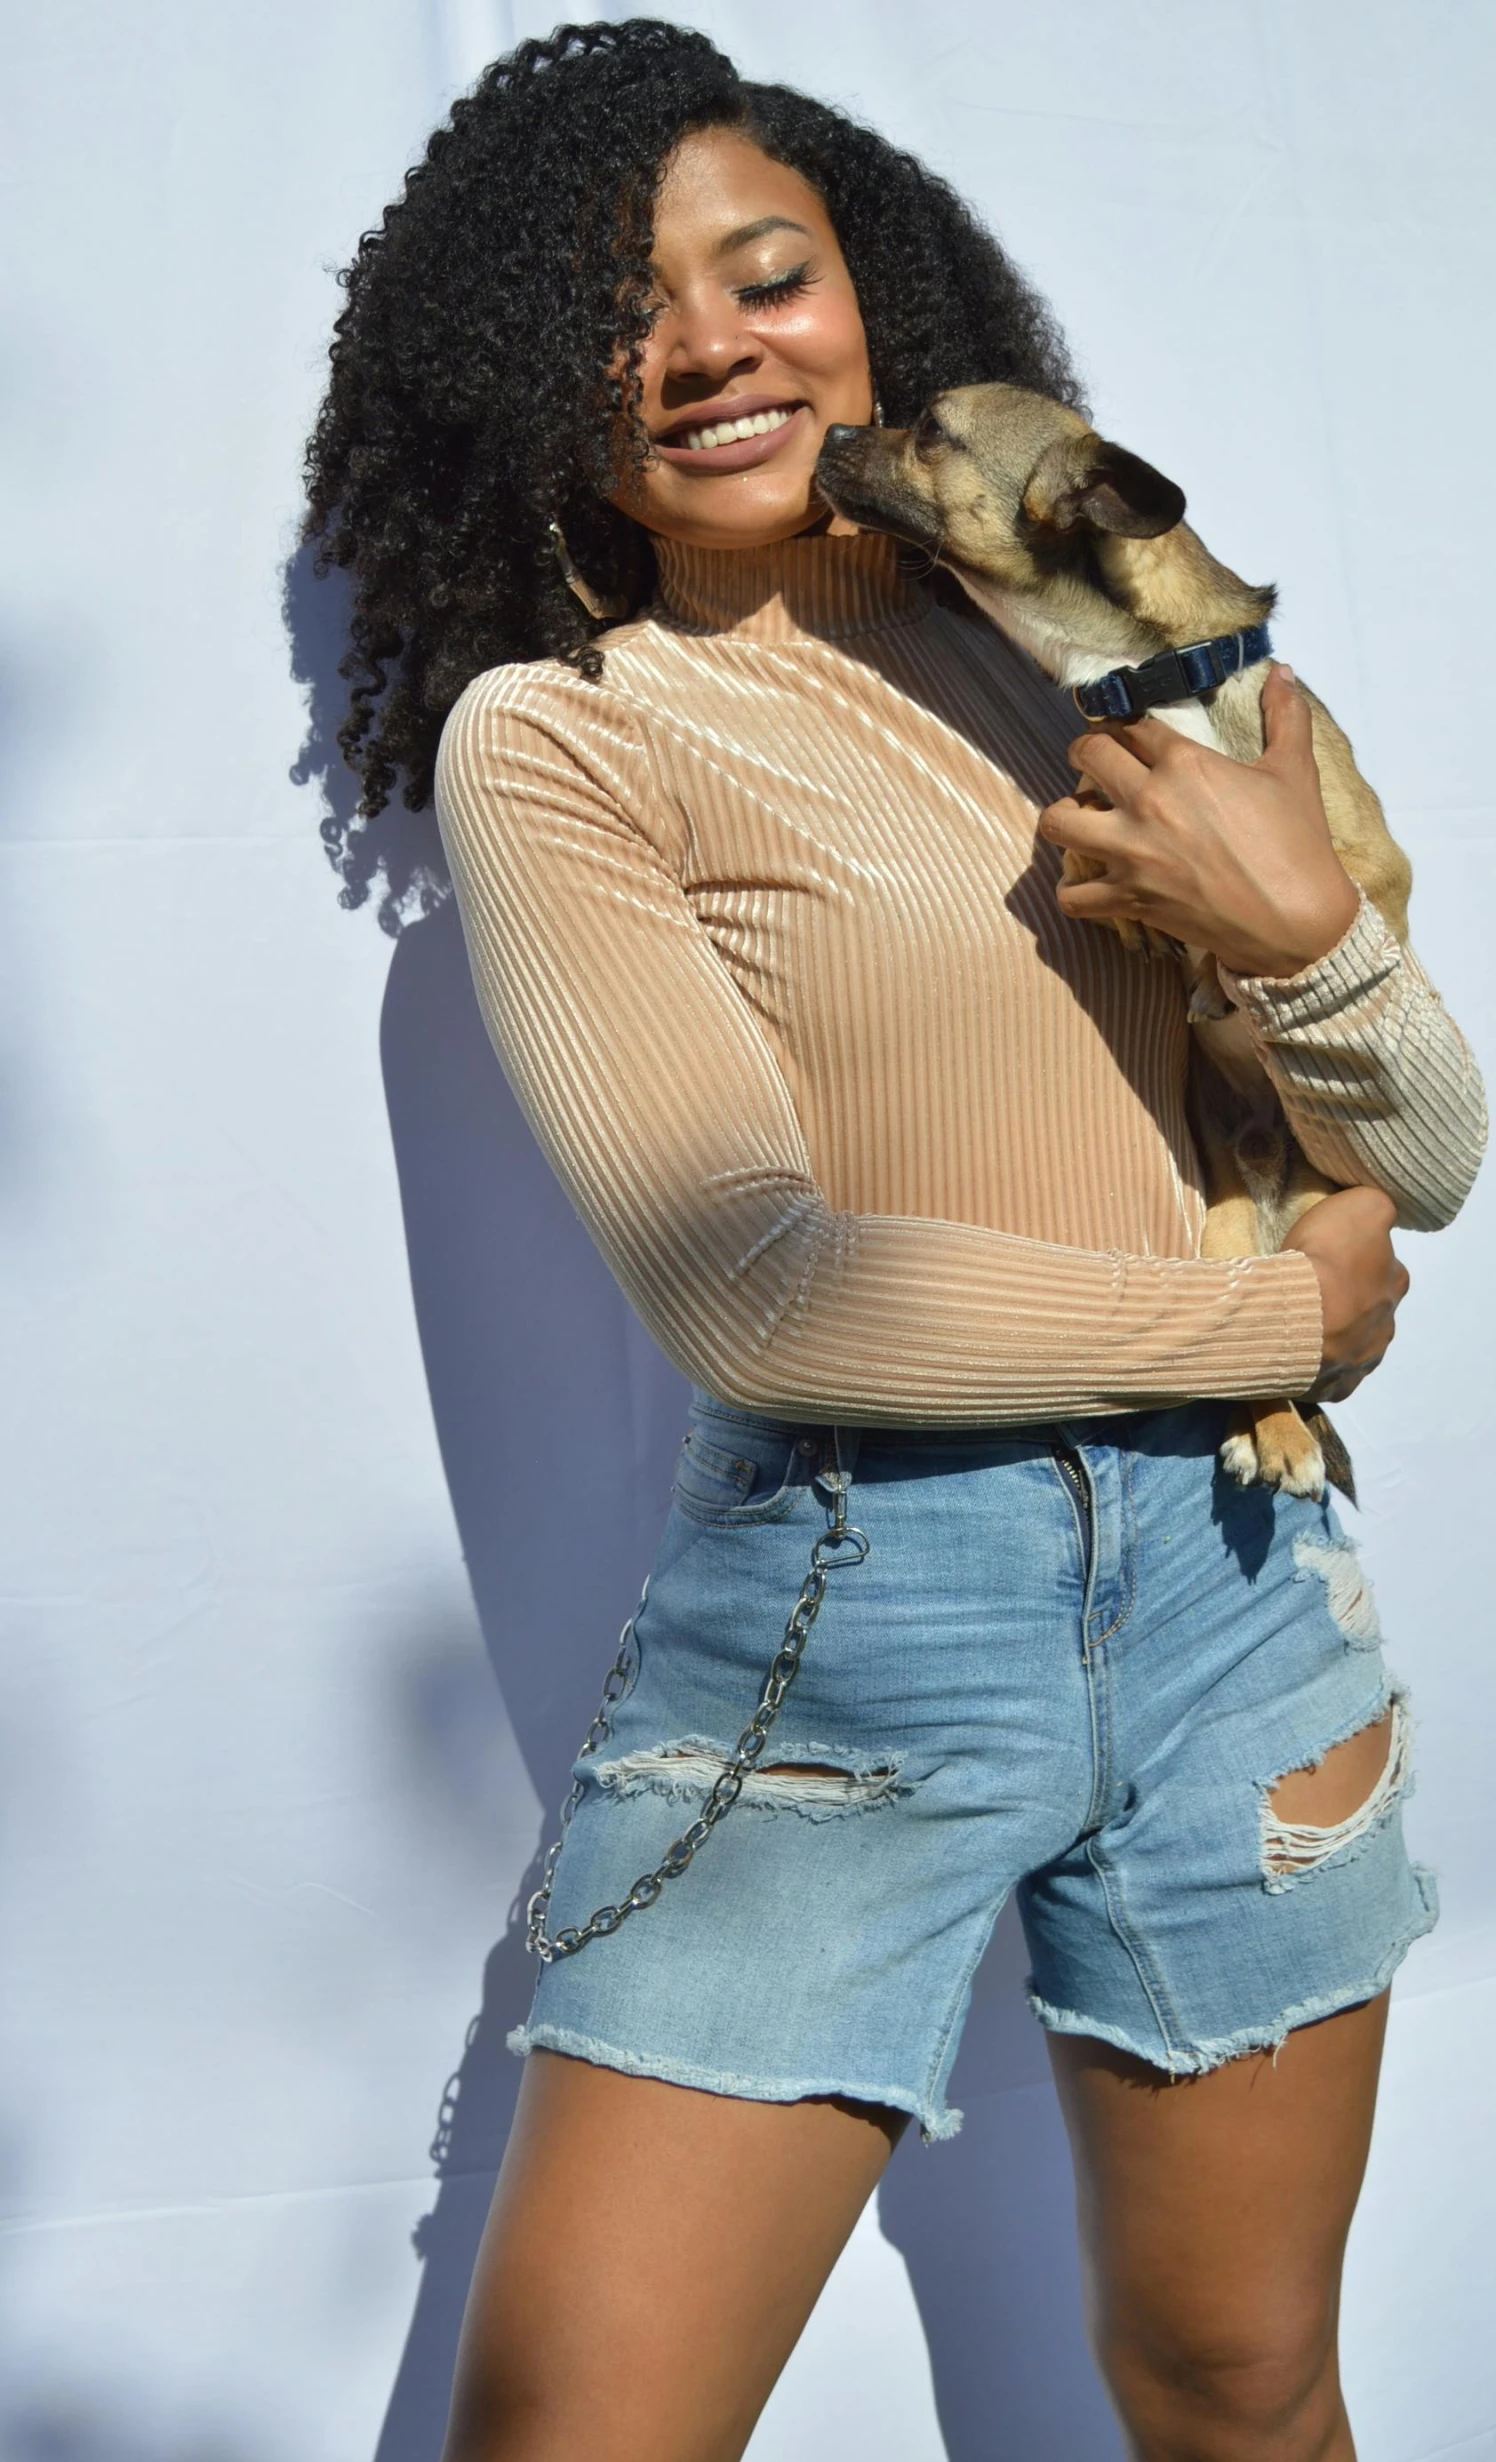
(1086, 481)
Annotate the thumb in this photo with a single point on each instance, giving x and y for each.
(1288, 728)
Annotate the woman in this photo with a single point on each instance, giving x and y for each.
(889, 1152)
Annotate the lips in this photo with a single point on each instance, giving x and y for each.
(717, 441)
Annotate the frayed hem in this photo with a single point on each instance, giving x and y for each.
(1214, 2051)
(933, 2125)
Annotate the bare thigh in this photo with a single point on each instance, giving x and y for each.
(649, 2262)
(1214, 2213)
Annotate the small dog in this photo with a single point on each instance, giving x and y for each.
(1080, 552)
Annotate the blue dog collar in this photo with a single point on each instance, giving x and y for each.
(1174, 675)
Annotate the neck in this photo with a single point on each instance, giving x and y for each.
(818, 584)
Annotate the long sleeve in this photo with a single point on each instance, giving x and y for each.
(658, 1097)
(1379, 1085)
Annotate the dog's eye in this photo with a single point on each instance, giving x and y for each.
(929, 436)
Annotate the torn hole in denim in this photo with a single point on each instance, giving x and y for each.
(815, 1779)
(1349, 1594)
(1290, 1849)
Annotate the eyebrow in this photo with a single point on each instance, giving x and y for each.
(759, 230)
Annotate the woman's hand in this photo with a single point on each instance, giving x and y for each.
(1230, 856)
(1347, 1239)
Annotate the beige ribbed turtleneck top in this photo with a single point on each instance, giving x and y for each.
(864, 1126)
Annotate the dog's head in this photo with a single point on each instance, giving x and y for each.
(999, 485)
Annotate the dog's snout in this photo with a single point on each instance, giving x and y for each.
(844, 461)
(859, 472)
(837, 439)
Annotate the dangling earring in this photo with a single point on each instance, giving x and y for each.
(602, 610)
(877, 409)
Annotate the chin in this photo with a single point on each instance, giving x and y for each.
(740, 518)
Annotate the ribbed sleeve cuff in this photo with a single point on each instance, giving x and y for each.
(1277, 1326)
(1363, 961)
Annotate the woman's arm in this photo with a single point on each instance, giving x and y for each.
(662, 1106)
(1379, 1086)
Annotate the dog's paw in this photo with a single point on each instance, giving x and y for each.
(1239, 1457)
(1296, 1468)
(1272, 1447)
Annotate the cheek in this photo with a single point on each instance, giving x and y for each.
(824, 337)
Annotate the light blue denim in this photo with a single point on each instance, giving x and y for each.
(1082, 1684)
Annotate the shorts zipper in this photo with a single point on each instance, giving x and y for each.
(1075, 1479)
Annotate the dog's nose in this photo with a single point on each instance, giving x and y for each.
(835, 437)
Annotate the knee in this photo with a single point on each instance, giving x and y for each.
(502, 2422)
(529, 2422)
(1264, 2391)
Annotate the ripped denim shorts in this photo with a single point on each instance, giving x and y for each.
(1075, 1662)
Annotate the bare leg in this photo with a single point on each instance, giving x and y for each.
(649, 2262)
(1214, 2212)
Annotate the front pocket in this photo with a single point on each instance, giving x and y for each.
(759, 1480)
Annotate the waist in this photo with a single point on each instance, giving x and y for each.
(1129, 1430)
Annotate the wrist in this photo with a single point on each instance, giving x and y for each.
(1315, 934)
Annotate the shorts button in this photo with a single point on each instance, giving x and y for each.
(807, 1444)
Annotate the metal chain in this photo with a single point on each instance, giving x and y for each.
(783, 1669)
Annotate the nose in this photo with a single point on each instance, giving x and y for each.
(709, 340)
(836, 437)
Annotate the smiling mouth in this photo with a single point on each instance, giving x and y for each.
(753, 434)
(721, 432)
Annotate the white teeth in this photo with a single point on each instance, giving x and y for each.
(733, 431)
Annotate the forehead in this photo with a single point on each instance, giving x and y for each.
(718, 186)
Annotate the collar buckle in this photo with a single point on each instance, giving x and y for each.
(1128, 693)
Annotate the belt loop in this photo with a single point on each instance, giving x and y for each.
(847, 1442)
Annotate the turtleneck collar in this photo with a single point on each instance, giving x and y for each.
(828, 588)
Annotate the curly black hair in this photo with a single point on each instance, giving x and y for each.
(470, 401)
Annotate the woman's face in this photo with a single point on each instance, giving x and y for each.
(755, 320)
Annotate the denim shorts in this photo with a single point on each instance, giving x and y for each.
(1074, 1662)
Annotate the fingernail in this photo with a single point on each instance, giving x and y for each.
(1285, 671)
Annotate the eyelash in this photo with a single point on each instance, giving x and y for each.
(783, 287)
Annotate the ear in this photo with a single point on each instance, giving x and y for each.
(1103, 487)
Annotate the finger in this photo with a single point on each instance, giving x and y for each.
(1109, 763)
(1147, 739)
(1288, 725)
(1088, 828)
(1097, 901)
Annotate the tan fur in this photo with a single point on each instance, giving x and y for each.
(1079, 551)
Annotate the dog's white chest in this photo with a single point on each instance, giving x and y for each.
(1193, 719)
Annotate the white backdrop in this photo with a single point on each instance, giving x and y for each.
(333, 1457)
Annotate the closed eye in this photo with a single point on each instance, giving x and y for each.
(930, 437)
(781, 287)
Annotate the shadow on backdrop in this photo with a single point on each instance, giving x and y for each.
(558, 1421)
